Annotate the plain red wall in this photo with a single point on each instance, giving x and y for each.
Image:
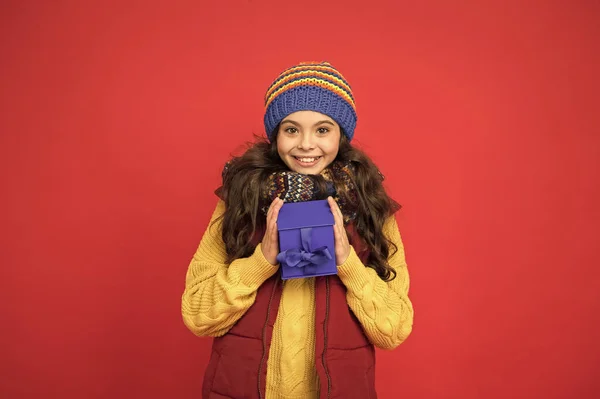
(116, 118)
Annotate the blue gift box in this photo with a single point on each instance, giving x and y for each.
(306, 241)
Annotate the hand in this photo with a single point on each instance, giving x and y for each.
(270, 241)
(342, 245)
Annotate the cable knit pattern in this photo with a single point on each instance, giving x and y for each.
(216, 296)
(383, 309)
(291, 374)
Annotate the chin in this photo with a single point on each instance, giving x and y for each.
(312, 171)
(307, 171)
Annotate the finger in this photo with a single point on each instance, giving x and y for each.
(271, 206)
(271, 212)
(276, 208)
(338, 209)
(336, 225)
(269, 218)
(340, 213)
(339, 224)
(339, 221)
(336, 235)
(335, 210)
(343, 235)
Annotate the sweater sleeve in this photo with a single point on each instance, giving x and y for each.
(217, 295)
(383, 308)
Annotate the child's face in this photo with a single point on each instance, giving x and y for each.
(308, 141)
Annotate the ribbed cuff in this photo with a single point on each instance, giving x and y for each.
(353, 272)
(257, 270)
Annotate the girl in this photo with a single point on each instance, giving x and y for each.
(311, 337)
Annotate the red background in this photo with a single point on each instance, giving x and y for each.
(116, 118)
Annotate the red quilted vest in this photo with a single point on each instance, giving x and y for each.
(344, 357)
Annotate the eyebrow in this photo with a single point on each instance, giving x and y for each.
(316, 124)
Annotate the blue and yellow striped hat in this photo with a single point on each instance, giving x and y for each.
(314, 86)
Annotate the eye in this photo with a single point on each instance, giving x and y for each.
(291, 130)
(322, 130)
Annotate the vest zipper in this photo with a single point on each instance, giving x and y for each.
(325, 337)
(264, 341)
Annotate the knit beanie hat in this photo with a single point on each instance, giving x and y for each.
(314, 87)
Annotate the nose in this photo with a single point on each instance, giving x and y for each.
(307, 142)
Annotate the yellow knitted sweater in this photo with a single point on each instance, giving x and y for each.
(217, 295)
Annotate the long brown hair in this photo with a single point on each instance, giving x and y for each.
(245, 181)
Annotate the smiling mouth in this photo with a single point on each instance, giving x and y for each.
(307, 160)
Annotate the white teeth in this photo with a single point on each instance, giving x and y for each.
(307, 160)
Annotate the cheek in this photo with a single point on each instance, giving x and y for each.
(333, 148)
(282, 150)
(284, 143)
(281, 147)
(333, 144)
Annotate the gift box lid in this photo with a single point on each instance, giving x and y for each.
(298, 215)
